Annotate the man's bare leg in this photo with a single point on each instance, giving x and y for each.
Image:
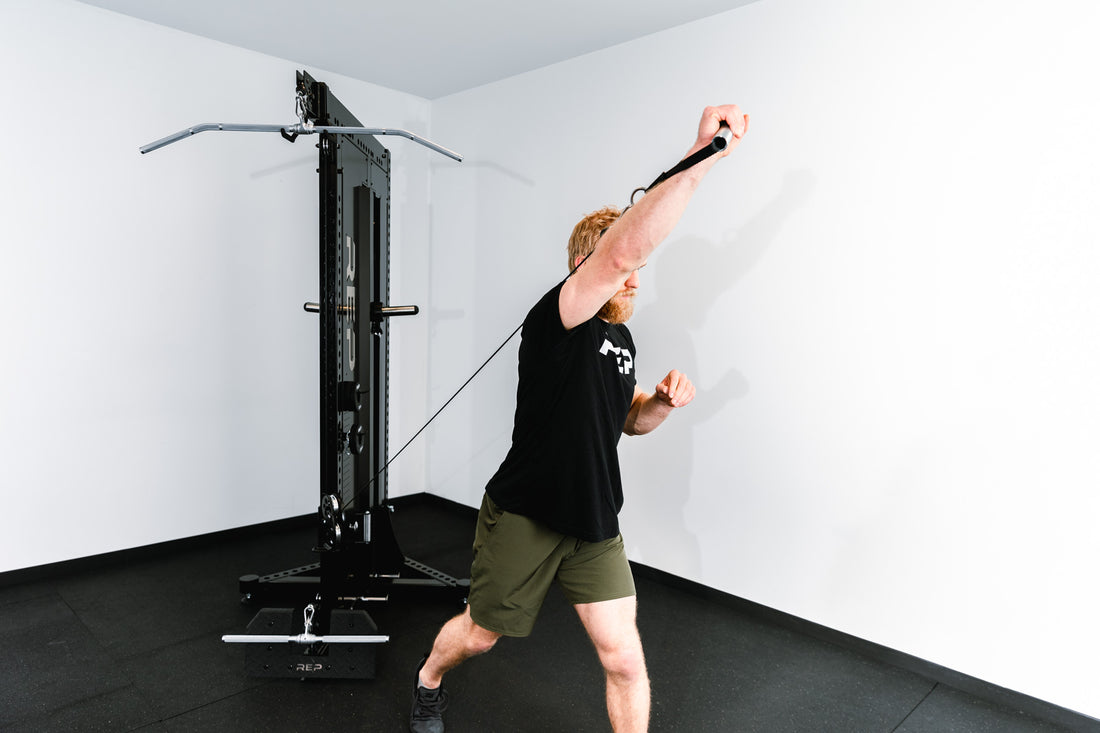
(458, 640)
(613, 628)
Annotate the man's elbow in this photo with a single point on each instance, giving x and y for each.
(627, 252)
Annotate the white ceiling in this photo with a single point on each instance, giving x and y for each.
(430, 48)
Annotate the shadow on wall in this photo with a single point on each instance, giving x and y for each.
(690, 276)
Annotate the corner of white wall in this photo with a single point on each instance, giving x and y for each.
(160, 377)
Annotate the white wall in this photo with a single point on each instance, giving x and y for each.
(887, 298)
(158, 377)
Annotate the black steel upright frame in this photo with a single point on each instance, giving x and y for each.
(360, 559)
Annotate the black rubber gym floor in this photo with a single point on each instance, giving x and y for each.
(134, 643)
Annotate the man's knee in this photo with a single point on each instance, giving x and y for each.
(624, 662)
(478, 639)
(481, 641)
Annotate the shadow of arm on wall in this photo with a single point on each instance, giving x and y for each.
(693, 273)
(485, 165)
(708, 270)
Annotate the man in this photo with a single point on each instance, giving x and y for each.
(550, 513)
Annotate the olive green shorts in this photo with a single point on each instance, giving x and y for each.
(516, 559)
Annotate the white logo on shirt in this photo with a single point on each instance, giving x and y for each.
(623, 358)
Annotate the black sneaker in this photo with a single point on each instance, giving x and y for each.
(428, 706)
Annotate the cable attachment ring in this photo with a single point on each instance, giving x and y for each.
(307, 619)
(718, 143)
(300, 113)
(300, 106)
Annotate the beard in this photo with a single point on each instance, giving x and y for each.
(618, 310)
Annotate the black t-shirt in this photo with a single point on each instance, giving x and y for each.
(575, 389)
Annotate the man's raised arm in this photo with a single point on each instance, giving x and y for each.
(629, 241)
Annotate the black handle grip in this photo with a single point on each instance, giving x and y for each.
(722, 139)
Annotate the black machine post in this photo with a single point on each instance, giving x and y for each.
(360, 560)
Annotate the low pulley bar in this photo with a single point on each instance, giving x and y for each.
(307, 638)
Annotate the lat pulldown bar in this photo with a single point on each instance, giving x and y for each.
(292, 131)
